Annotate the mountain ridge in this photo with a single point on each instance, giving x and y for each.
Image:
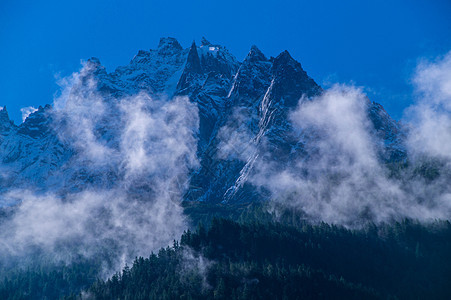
(258, 92)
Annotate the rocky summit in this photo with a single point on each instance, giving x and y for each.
(253, 96)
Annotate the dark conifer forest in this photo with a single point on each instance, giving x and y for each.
(257, 255)
(189, 173)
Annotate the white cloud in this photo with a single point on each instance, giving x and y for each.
(26, 111)
(236, 140)
(342, 180)
(430, 116)
(149, 146)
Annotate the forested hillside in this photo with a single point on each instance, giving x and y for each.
(257, 257)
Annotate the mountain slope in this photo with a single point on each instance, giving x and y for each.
(243, 106)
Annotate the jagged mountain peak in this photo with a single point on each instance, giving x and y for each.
(252, 78)
(37, 124)
(4, 116)
(42, 109)
(284, 62)
(263, 90)
(286, 69)
(5, 121)
(255, 55)
(285, 58)
(169, 43)
(94, 67)
(169, 46)
(193, 61)
(40, 113)
(141, 54)
(3, 111)
(218, 59)
(143, 57)
(94, 61)
(204, 42)
(191, 70)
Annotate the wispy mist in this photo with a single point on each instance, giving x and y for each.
(26, 111)
(341, 178)
(431, 114)
(236, 138)
(131, 159)
(141, 148)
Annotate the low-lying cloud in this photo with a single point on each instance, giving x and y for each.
(142, 149)
(131, 159)
(341, 178)
(235, 139)
(26, 111)
(431, 114)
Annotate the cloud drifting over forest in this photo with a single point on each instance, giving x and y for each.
(343, 179)
(135, 211)
(138, 152)
(431, 114)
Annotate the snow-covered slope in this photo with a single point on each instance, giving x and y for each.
(243, 108)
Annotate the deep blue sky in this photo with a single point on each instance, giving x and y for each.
(375, 44)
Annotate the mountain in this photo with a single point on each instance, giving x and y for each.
(252, 99)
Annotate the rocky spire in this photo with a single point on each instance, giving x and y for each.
(291, 80)
(255, 55)
(95, 66)
(192, 69)
(4, 114)
(5, 122)
(169, 45)
(204, 42)
(193, 61)
(252, 78)
(37, 124)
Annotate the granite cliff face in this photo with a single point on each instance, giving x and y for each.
(252, 99)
